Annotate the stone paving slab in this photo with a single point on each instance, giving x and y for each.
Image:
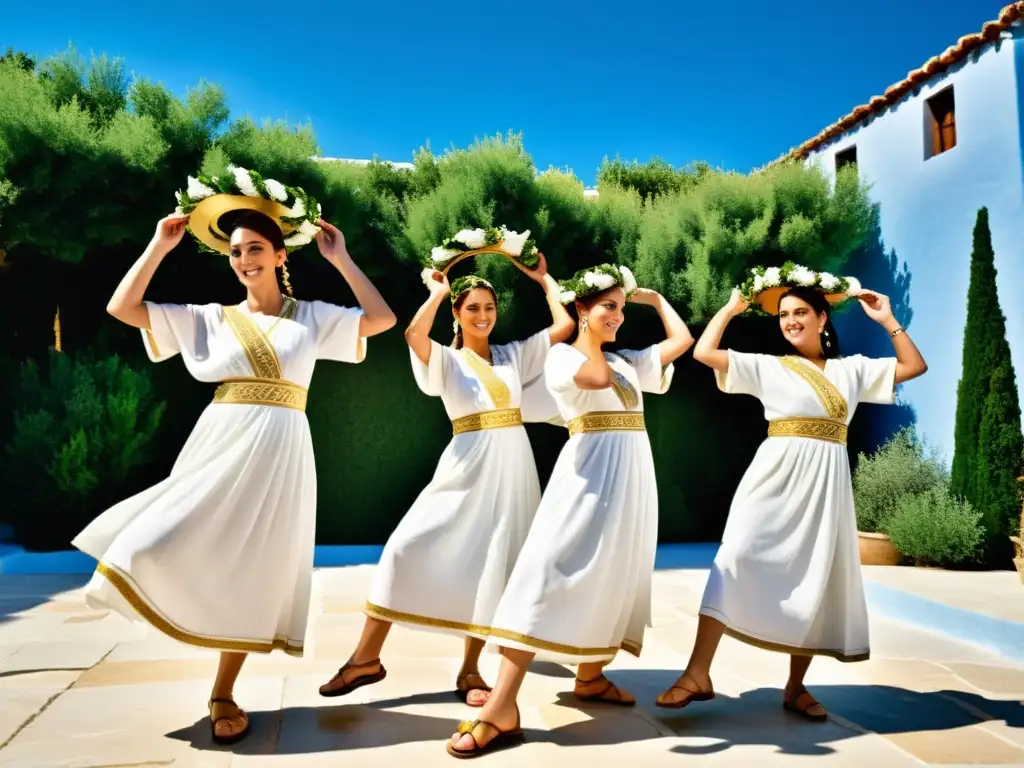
(87, 689)
(999, 594)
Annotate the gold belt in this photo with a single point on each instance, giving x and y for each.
(607, 421)
(815, 429)
(509, 417)
(276, 392)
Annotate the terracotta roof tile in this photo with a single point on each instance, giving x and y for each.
(990, 33)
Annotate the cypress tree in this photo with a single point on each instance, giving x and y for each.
(988, 441)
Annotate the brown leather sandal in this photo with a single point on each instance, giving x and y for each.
(235, 737)
(501, 739)
(601, 697)
(359, 682)
(691, 695)
(463, 687)
(801, 703)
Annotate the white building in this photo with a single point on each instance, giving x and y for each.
(943, 142)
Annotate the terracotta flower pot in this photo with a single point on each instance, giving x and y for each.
(877, 549)
(1018, 560)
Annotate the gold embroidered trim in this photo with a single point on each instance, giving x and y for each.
(623, 388)
(816, 429)
(282, 394)
(386, 614)
(793, 650)
(496, 388)
(835, 404)
(122, 583)
(152, 342)
(259, 350)
(510, 417)
(606, 421)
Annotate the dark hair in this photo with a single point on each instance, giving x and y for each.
(260, 223)
(818, 302)
(457, 305)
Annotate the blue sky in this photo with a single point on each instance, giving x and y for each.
(735, 84)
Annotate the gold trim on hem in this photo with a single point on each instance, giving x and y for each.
(793, 650)
(815, 429)
(152, 342)
(607, 421)
(122, 583)
(835, 404)
(387, 614)
(253, 391)
(474, 422)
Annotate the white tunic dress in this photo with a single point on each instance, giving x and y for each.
(447, 563)
(787, 576)
(581, 589)
(220, 554)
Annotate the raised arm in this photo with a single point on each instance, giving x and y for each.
(562, 324)
(909, 362)
(707, 350)
(126, 304)
(678, 338)
(377, 315)
(417, 335)
(594, 374)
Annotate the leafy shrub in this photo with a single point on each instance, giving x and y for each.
(903, 467)
(80, 427)
(936, 528)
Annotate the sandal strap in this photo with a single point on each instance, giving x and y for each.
(221, 700)
(353, 665)
(464, 678)
(800, 694)
(591, 682)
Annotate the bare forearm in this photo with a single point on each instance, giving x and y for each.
(377, 315)
(707, 348)
(417, 335)
(910, 363)
(127, 302)
(562, 324)
(594, 374)
(678, 338)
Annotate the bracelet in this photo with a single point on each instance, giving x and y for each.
(897, 332)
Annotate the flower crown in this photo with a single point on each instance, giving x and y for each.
(206, 198)
(587, 282)
(766, 286)
(459, 285)
(469, 242)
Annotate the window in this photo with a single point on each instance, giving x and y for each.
(846, 157)
(940, 123)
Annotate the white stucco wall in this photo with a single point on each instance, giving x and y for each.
(928, 211)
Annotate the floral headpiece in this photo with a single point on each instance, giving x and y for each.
(587, 282)
(463, 284)
(207, 198)
(469, 242)
(766, 286)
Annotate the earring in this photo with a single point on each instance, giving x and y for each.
(284, 279)
(455, 327)
(583, 323)
(828, 342)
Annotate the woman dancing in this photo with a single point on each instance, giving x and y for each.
(447, 563)
(787, 576)
(220, 554)
(581, 589)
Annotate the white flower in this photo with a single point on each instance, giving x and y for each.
(196, 190)
(177, 196)
(772, 276)
(178, 211)
(308, 229)
(427, 275)
(471, 238)
(599, 280)
(297, 239)
(855, 286)
(319, 210)
(243, 181)
(439, 255)
(628, 281)
(513, 242)
(758, 283)
(828, 282)
(276, 190)
(567, 297)
(297, 210)
(802, 276)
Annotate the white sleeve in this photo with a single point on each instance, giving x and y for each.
(562, 365)
(875, 377)
(647, 363)
(337, 332)
(172, 330)
(431, 378)
(745, 374)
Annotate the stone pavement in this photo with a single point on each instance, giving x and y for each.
(84, 689)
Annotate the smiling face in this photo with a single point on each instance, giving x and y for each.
(801, 325)
(477, 311)
(253, 258)
(604, 314)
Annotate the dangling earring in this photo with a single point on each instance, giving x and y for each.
(284, 279)
(455, 327)
(828, 343)
(583, 324)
